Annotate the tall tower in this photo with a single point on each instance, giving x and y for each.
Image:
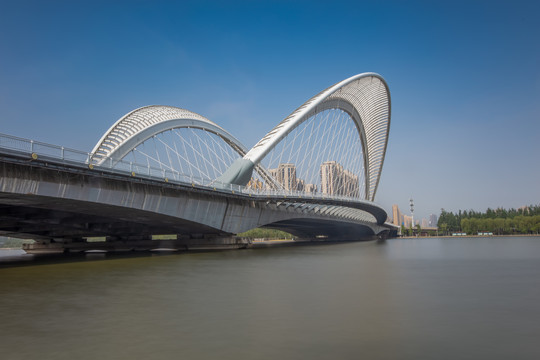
(412, 211)
(331, 178)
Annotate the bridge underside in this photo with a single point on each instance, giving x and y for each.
(73, 226)
(39, 217)
(57, 205)
(324, 229)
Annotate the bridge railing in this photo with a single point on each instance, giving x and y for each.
(59, 154)
(38, 149)
(15, 143)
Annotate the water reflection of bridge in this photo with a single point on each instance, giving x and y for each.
(164, 170)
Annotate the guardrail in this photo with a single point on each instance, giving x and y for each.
(38, 150)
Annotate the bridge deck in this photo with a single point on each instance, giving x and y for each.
(67, 201)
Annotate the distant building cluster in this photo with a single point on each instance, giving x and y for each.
(285, 174)
(398, 219)
(335, 180)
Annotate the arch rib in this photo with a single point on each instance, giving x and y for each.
(141, 124)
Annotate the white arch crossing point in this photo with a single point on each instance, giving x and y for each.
(364, 97)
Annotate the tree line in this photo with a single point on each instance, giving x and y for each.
(265, 233)
(9, 242)
(525, 220)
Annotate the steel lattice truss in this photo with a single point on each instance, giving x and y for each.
(344, 127)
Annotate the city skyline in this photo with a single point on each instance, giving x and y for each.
(398, 218)
(333, 180)
(463, 77)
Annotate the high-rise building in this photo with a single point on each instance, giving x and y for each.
(433, 220)
(351, 187)
(337, 181)
(285, 174)
(274, 174)
(408, 221)
(329, 177)
(397, 217)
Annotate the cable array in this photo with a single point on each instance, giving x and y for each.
(190, 151)
(334, 144)
(322, 155)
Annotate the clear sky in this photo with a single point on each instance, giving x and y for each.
(464, 77)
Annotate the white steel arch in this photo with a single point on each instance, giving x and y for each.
(365, 97)
(141, 124)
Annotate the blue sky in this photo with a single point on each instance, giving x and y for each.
(464, 78)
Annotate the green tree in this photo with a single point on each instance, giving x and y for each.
(265, 233)
(498, 224)
(466, 225)
(489, 225)
(525, 224)
(501, 221)
(509, 226)
(536, 224)
(444, 228)
(474, 225)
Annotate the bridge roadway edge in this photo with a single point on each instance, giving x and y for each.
(65, 204)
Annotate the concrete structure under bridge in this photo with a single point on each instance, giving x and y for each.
(61, 197)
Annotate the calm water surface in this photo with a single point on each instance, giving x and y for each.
(405, 299)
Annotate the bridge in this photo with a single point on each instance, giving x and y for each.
(166, 177)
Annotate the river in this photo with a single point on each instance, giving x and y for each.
(451, 298)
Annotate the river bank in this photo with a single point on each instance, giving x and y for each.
(466, 236)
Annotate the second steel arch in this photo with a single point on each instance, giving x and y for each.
(365, 97)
